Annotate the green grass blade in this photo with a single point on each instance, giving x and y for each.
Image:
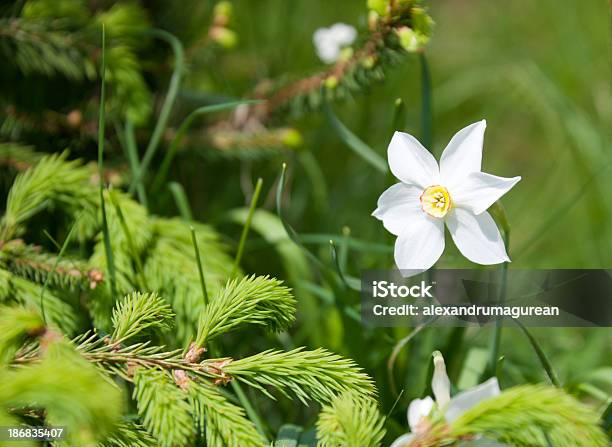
(164, 115)
(132, 155)
(54, 267)
(180, 198)
(541, 355)
(349, 282)
(353, 142)
(247, 226)
(162, 173)
(248, 407)
(101, 131)
(199, 262)
(130, 241)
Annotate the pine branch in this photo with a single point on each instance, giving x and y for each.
(21, 291)
(61, 38)
(31, 263)
(129, 435)
(350, 421)
(69, 389)
(138, 312)
(223, 423)
(39, 47)
(163, 408)
(171, 269)
(255, 143)
(139, 225)
(251, 300)
(52, 181)
(17, 156)
(16, 324)
(310, 375)
(521, 415)
(382, 48)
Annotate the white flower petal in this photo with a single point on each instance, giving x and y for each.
(326, 46)
(420, 244)
(465, 400)
(440, 383)
(343, 34)
(320, 36)
(403, 441)
(418, 409)
(410, 162)
(329, 42)
(479, 190)
(398, 206)
(476, 236)
(463, 154)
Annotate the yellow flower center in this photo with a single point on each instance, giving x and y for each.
(436, 201)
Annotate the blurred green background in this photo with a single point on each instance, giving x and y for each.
(539, 72)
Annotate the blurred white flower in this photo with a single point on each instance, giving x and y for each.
(329, 42)
(456, 193)
(420, 409)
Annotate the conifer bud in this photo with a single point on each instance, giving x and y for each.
(408, 39)
(331, 82)
(224, 37)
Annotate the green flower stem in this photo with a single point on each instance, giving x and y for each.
(493, 360)
(426, 112)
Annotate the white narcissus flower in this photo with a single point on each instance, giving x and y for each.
(420, 409)
(329, 42)
(455, 193)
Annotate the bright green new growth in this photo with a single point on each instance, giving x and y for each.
(162, 407)
(52, 182)
(172, 270)
(32, 263)
(529, 414)
(350, 420)
(17, 290)
(130, 435)
(222, 422)
(58, 384)
(16, 324)
(251, 300)
(138, 312)
(315, 375)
